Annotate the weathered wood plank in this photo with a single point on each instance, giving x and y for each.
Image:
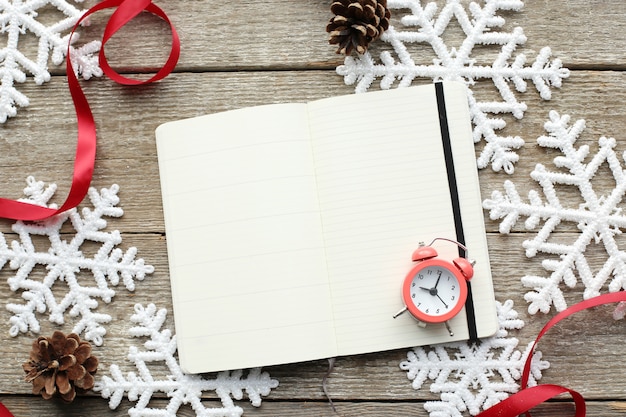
(285, 34)
(41, 140)
(582, 351)
(35, 407)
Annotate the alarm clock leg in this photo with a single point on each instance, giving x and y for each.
(449, 329)
(400, 312)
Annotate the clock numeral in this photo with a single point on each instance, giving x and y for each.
(412, 284)
(437, 311)
(453, 297)
(453, 287)
(413, 295)
(430, 271)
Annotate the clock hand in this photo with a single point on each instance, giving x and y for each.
(444, 303)
(431, 291)
(438, 278)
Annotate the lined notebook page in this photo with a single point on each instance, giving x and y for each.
(244, 239)
(383, 188)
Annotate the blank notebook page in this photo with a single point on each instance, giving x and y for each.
(244, 239)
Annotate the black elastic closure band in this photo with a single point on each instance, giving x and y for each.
(456, 207)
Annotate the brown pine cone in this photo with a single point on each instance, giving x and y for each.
(357, 23)
(60, 364)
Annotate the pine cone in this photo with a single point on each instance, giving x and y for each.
(357, 23)
(60, 364)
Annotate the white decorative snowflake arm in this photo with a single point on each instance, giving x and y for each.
(599, 218)
(179, 387)
(480, 25)
(18, 21)
(87, 278)
(473, 376)
(85, 60)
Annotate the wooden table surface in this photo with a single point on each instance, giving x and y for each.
(252, 52)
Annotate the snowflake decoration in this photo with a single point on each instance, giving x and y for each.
(479, 27)
(599, 218)
(18, 19)
(65, 261)
(463, 372)
(181, 388)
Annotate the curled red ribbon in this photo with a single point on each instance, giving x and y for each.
(527, 398)
(86, 142)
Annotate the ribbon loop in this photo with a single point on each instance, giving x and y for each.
(126, 11)
(84, 161)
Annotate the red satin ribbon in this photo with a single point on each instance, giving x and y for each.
(86, 143)
(523, 401)
(4, 412)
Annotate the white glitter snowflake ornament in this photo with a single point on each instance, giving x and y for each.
(473, 376)
(179, 387)
(426, 25)
(73, 281)
(19, 22)
(599, 218)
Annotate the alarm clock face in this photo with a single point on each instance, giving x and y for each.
(434, 291)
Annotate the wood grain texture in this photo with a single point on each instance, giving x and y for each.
(25, 406)
(256, 35)
(250, 53)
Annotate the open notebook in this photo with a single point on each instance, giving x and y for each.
(290, 227)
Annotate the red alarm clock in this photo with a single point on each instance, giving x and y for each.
(435, 289)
